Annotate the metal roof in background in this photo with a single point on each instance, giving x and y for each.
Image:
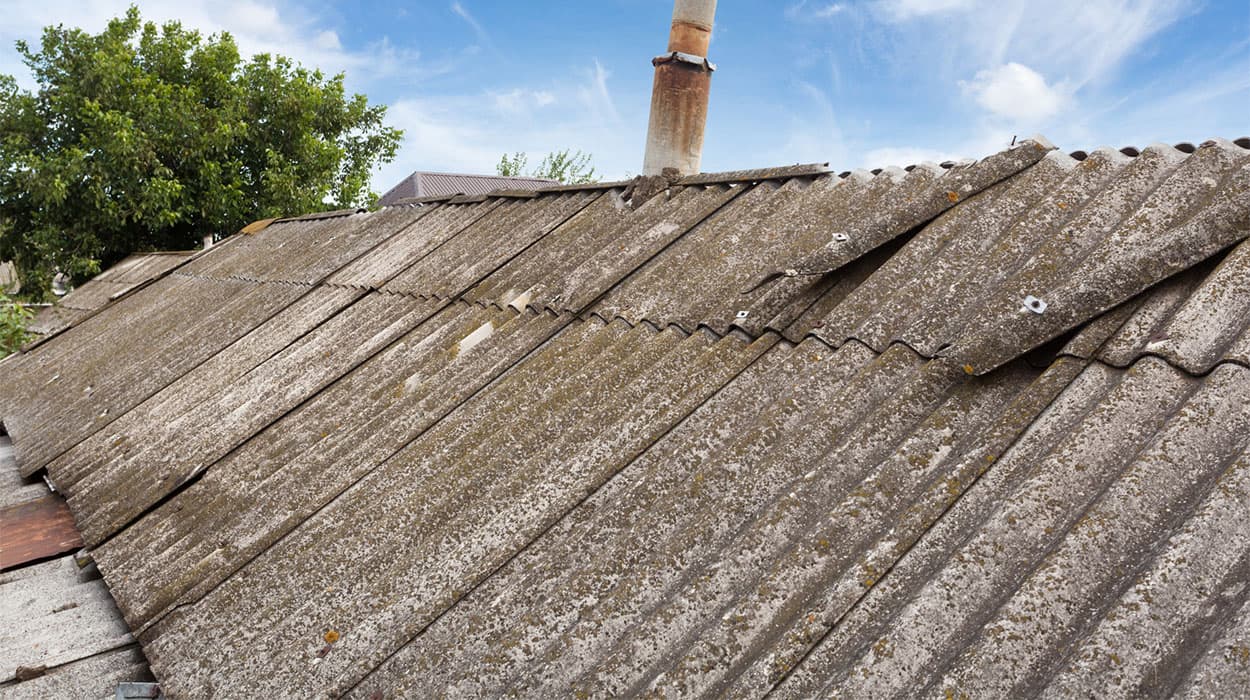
(429, 184)
(548, 445)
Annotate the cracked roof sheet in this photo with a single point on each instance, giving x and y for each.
(778, 431)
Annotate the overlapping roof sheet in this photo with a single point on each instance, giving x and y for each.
(105, 288)
(774, 432)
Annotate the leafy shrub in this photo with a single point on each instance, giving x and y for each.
(13, 320)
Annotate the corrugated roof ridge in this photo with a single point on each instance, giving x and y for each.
(1171, 362)
(245, 278)
(659, 326)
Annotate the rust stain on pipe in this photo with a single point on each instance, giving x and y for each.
(688, 37)
(679, 99)
(679, 95)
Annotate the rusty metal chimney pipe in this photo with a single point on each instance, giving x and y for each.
(683, 79)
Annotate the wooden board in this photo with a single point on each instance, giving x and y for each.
(36, 530)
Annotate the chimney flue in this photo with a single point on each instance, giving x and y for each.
(683, 77)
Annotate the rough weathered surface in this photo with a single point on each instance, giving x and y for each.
(1080, 236)
(1200, 208)
(14, 488)
(71, 388)
(1062, 569)
(53, 614)
(547, 446)
(311, 456)
(93, 677)
(715, 276)
(406, 541)
(606, 241)
(1195, 320)
(105, 288)
(478, 250)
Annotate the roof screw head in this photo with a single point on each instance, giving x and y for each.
(743, 314)
(1035, 305)
(841, 237)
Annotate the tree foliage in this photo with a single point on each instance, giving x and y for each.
(570, 168)
(13, 320)
(145, 137)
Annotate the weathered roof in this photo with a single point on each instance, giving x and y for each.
(61, 634)
(103, 289)
(429, 184)
(785, 431)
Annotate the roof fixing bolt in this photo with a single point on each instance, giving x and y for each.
(743, 314)
(1032, 303)
(841, 237)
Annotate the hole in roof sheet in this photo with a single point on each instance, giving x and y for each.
(1130, 151)
(1079, 155)
(1185, 147)
(1244, 142)
(473, 339)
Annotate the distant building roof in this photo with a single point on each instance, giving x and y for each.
(978, 430)
(427, 184)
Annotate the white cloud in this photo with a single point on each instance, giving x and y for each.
(1016, 92)
(1087, 40)
(902, 10)
(523, 101)
(804, 10)
(287, 27)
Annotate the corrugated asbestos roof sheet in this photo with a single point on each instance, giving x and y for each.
(427, 184)
(773, 432)
(105, 288)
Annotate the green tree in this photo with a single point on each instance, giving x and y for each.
(13, 320)
(145, 137)
(570, 168)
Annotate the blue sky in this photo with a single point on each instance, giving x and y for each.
(861, 83)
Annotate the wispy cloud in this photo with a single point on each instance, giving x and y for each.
(597, 97)
(463, 13)
(1018, 67)
(804, 10)
(468, 132)
(522, 100)
(909, 9)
